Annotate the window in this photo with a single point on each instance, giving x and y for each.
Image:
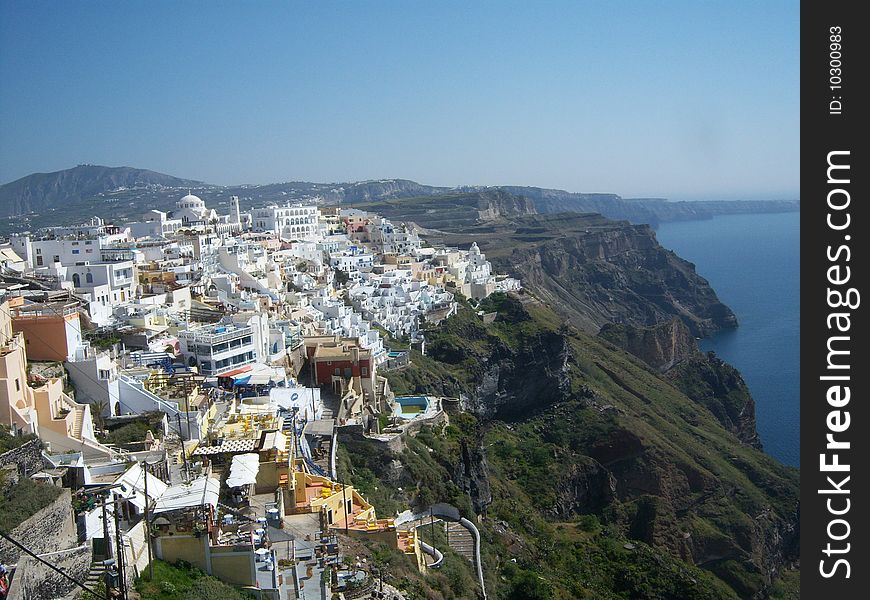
(38, 261)
(39, 250)
(76, 251)
(77, 281)
(89, 277)
(17, 385)
(365, 371)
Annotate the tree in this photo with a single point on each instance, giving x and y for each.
(341, 277)
(98, 407)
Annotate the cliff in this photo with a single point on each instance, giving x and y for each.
(704, 378)
(661, 346)
(570, 425)
(594, 271)
(454, 211)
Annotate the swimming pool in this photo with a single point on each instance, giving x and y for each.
(409, 406)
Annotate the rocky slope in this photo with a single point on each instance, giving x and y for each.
(570, 425)
(670, 348)
(594, 271)
(661, 346)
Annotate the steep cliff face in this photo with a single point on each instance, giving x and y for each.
(706, 379)
(571, 425)
(719, 387)
(618, 274)
(648, 211)
(660, 346)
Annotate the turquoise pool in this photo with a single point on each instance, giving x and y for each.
(410, 405)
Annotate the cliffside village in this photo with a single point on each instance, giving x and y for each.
(247, 343)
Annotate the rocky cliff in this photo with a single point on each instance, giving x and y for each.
(670, 348)
(455, 211)
(570, 425)
(661, 346)
(594, 271)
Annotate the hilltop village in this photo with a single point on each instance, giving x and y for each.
(182, 384)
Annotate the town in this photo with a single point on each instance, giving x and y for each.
(183, 382)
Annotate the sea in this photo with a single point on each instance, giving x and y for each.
(753, 264)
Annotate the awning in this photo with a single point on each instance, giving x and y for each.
(238, 371)
(260, 379)
(200, 492)
(243, 470)
(227, 447)
(243, 380)
(274, 439)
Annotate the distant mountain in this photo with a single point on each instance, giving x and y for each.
(69, 196)
(648, 211)
(453, 210)
(39, 191)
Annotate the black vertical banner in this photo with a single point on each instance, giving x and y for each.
(835, 370)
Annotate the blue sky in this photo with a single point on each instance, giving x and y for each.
(675, 99)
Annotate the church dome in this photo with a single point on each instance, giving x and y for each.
(191, 201)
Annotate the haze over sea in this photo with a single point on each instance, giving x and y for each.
(753, 263)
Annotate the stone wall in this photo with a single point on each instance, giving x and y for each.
(52, 528)
(35, 580)
(27, 457)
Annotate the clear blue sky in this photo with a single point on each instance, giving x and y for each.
(676, 99)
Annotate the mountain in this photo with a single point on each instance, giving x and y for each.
(38, 191)
(118, 192)
(670, 349)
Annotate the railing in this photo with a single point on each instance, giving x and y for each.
(215, 338)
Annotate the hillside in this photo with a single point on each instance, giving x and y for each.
(40, 191)
(71, 195)
(455, 211)
(594, 271)
(596, 477)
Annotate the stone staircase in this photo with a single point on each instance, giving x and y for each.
(461, 540)
(78, 422)
(95, 575)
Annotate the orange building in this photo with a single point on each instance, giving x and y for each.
(52, 330)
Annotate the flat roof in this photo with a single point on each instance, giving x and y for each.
(322, 427)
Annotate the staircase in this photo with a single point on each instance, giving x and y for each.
(78, 421)
(461, 540)
(95, 575)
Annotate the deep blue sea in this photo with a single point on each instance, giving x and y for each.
(753, 263)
